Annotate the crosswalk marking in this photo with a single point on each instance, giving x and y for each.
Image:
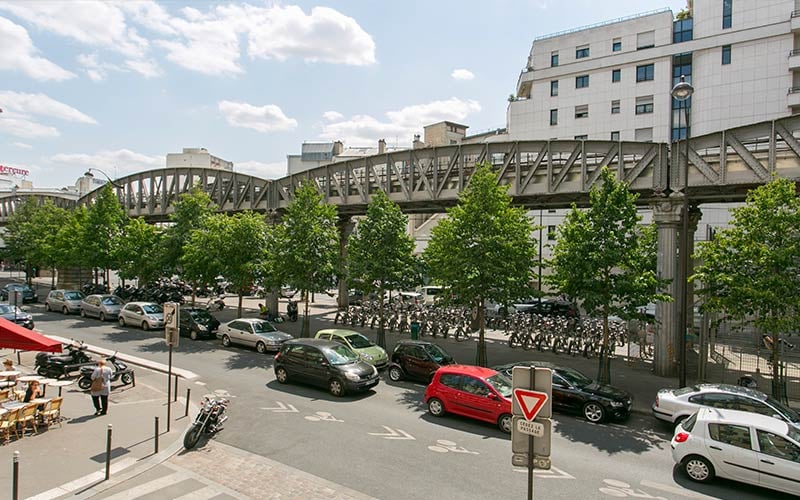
(201, 494)
(149, 487)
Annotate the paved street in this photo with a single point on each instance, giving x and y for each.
(383, 443)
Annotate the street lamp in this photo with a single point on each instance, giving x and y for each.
(89, 173)
(681, 92)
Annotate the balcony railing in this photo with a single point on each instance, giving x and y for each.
(794, 90)
(795, 52)
(796, 13)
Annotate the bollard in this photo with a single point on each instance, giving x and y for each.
(15, 478)
(175, 392)
(155, 436)
(108, 453)
(188, 395)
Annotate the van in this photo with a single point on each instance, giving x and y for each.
(429, 293)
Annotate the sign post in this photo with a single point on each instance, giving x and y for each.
(532, 409)
(171, 336)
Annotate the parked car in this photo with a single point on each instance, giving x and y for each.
(574, 392)
(26, 293)
(743, 446)
(369, 352)
(148, 315)
(253, 332)
(417, 360)
(471, 391)
(195, 323)
(532, 305)
(430, 294)
(674, 405)
(16, 315)
(287, 292)
(102, 306)
(66, 301)
(324, 363)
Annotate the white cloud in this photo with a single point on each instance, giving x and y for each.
(97, 70)
(268, 118)
(22, 145)
(19, 110)
(148, 68)
(117, 163)
(263, 170)
(462, 74)
(23, 56)
(332, 116)
(210, 48)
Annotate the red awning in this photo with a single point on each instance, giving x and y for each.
(14, 336)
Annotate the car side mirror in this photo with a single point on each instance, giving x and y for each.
(24, 308)
(491, 395)
(325, 364)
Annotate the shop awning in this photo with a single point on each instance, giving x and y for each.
(14, 336)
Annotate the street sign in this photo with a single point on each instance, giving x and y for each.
(171, 331)
(542, 382)
(530, 402)
(521, 460)
(519, 439)
(534, 429)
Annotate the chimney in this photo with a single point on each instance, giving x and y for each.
(417, 143)
(381, 146)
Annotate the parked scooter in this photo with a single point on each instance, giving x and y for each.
(291, 310)
(208, 421)
(121, 372)
(60, 365)
(215, 304)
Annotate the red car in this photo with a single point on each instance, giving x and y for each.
(471, 391)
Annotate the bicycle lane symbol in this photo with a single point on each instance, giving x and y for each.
(620, 489)
(445, 446)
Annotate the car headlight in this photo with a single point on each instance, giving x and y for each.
(202, 328)
(617, 404)
(374, 371)
(351, 376)
(366, 356)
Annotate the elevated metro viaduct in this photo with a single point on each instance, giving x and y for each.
(723, 167)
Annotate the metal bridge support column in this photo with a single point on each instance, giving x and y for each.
(345, 225)
(694, 218)
(667, 216)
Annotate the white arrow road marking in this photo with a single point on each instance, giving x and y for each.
(282, 408)
(393, 434)
(322, 416)
(553, 473)
(444, 446)
(672, 489)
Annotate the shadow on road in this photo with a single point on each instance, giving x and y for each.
(725, 488)
(317, 393)
(630, 438)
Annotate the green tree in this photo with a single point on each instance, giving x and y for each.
(104, 223)
(46, 221)
(138, 250)
(605, 259)
(308, 245)
(200, 261)
(71, 239)
(380, 252)
(751, 271)
(484, 249)
(243, 249)
(21, 236)
(189, 212)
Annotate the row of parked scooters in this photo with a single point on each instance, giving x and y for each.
(76, 359)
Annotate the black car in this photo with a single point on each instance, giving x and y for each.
(16, 315)
(324, 363)
(26, 293)
(418, 360)
(576, 393)
(197, 323)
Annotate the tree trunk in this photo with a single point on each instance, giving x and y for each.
(239, 308)
(777, 383)
(52, 277)
(480, 358)
(381, 329)
(304, 331)
(604, 370)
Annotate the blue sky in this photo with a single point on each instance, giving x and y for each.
(118, 85)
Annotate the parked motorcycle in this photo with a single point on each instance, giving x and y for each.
(208, 421)
(291, 310)
(60, 365)
(121, 372)
(215, 304)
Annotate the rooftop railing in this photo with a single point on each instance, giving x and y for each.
(604, 23)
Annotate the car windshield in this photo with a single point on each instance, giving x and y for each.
(359, 341)
(574, 377)
(17, 287)
(112, 301)
(340, 355)
(788, 412)
(6, 309)
(436, 352)
(501, 384)
(73, 295)
(152, 309)
(201, 316)
(263, 327)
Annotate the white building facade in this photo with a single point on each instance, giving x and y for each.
(197, 157)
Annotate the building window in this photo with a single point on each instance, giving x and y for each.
(644, 105)
(616, 75)
(553, 117)
(615, 135)
(683, 30)
(581, 81)
(582, 111)
(582, 52)
(582, 137)
(614, 107)
(551, 233)
(645, 40)
(726, 54)
(727, 13)
(554, 88)
(616, 45)
(645, 72)
(644, 134)
(553, 59)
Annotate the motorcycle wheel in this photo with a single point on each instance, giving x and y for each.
(127, 378)
(84, 383)
(192, 436)
(42, 371)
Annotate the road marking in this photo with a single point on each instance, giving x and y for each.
(282, 408)
(322, 416)
(200, 383)
(444, 446)
(672, 489)
(621, 489)
(398, 434)
(222, 393)
(201, 494)
(149, 487)
(553, 473)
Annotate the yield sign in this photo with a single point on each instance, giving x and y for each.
(530, 402)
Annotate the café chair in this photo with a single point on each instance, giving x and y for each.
(8, 423)
(52, 412)
(27, 417)
(4, 395)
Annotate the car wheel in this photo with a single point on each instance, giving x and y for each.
(282, 375)
(193, 335)
(261, 348)
(698, 469)
(594, 412)
(121, 321)
(65, 311)
(505, 423)
(226, 341)
(436, 407)
(145, 326)
(102, 316)
(336, 387)
(83, 313)
(395, 373)
(47, 307)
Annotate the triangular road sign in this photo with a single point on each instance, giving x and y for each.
(530, 402)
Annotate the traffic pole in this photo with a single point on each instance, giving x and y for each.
(15, 477)
(169, 389)
(108, 453)
(532, 372)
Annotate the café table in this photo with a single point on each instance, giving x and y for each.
(4, 378)
(61, 384)
(29, 378)
(44, 383)
(13, 405)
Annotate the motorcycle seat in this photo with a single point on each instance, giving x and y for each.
(60, 359)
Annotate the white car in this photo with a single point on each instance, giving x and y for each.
(253, 332)
(148, 315)
(674, 405)
(738, 445)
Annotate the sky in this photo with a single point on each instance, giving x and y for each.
(116, 85)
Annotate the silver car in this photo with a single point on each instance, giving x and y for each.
(101, 306)
(148, 315)
(66, 301)
(253, 332)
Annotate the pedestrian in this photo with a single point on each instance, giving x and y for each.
(33, 391)
(101, 387)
